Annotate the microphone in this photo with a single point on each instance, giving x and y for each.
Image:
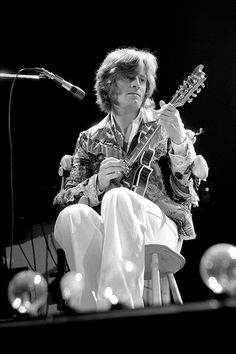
(7, 75)
(75, 90)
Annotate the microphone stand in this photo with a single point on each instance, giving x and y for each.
(5, 266)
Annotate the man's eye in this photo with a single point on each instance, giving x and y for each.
(142, 79)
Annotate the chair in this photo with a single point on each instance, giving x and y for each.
(161, 263)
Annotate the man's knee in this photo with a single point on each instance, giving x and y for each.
(73, 211)
(118, 198)
(116, 194)
(67, 216)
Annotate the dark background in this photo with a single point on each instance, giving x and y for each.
(45, 119)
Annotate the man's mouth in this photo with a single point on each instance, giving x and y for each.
(134, 93)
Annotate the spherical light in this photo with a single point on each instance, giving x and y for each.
(27, 293)
(218, 268)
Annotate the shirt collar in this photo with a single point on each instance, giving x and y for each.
(135, 122)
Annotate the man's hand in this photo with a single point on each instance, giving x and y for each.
(169, 118)
(110, 168)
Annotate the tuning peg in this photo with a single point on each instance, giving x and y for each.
(203, 85)
(194, 95)
(190, 100)
(199, 90)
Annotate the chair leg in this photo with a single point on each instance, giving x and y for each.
(147, 292)
(165, 290)
(174, 289)
(61, 264)
(150, 301)
(156, 284)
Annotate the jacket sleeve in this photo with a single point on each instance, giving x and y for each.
(182, 180)
(82, 177)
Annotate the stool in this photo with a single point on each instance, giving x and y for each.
(161, 262)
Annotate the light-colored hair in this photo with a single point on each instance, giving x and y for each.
(120, 61)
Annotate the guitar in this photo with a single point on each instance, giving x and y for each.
(138, 162)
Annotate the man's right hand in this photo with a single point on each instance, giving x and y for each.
(110, 168)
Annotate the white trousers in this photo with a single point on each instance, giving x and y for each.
(108, 249)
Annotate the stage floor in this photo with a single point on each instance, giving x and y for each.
(203, 322)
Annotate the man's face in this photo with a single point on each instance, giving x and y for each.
(131, 88)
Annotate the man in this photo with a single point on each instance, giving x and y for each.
(131, 183)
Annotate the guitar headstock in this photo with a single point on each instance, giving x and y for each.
(190, 87)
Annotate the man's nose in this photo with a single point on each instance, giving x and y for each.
(135, 82)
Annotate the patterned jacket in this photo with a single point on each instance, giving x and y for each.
(170, 184)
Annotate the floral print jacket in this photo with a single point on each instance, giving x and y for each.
(171, 184)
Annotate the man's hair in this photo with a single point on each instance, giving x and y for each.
(124, 61)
